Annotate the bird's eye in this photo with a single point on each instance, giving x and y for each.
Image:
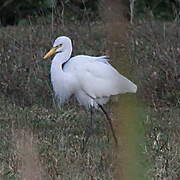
(58, 46)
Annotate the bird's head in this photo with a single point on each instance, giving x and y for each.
(61, 44)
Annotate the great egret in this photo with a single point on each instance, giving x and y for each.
(92, 80)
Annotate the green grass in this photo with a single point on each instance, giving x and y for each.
(37, 135)
(58, 137)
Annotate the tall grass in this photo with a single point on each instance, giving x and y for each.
(37, 136)
(155, 51)
(39, 139)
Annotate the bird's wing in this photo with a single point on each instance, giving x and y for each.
(98, 78)
(103, 59)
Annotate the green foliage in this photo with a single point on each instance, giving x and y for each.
(161, 9)
(13, 12)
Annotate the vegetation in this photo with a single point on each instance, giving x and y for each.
(27, 106)
(166, 9)
(36, 136)
(155, 51)
(81, 9)
(22, 10)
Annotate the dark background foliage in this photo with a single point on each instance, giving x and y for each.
(163, 9)
(12, 11)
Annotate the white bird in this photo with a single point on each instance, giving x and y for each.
(92, 80)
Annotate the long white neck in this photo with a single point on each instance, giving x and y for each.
(59, 59)
(60, 78)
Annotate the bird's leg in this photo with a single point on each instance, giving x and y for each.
(110, 123)
(91, 117)
(89, 129)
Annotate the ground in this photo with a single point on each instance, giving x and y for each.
(37, 136)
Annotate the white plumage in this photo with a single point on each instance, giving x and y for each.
(92, 80)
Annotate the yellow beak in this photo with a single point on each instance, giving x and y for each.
(50, 52)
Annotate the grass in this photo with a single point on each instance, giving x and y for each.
(57, 136)
(37, 136)
(162, 130)
(35, 133)
(155, 51)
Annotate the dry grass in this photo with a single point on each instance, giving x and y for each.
(39, 139)
(155, 51)
(56, 136)
(29, 166)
